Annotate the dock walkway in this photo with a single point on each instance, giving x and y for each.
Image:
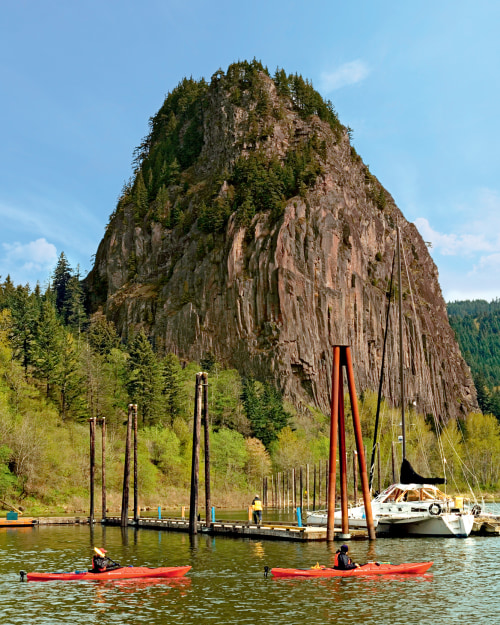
(243, 529)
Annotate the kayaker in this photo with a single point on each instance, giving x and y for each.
(100, 562)
(257, 510)
(343, 561)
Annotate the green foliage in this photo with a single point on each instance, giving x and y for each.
(60, 282)
(477, 329)
(7, 479)
(102, 335)
(482, 435)
(145, 379)
(47, 347)
(228, 458)
(173, 392)
(264, 409)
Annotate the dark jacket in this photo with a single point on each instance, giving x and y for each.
(101, 564)
(344, 562)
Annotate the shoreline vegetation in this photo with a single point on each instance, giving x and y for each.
(58, 368)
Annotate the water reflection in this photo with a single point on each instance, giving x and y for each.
(227, 585)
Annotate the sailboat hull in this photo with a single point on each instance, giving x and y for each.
(447, 525)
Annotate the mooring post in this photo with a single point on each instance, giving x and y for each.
(314, 488)
(193, 505)
(327, 478)
(379, 479)
(355, 476)
(343, 464)
(92, 468)
(307, 485)
(319, 484)
(299, 516)
(126, 470)
(359, 444)
(301, 490)
(334, 422)
(206, 423)
(136, 493)
(103, 455)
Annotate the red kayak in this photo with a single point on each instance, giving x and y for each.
(125, 572)
(372, 568)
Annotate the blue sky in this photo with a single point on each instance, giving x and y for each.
(418, 83)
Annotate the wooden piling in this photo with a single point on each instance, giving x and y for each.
(301, 490)
(314, 488)
(92, 468)
(103, 472)
(307, 485)
(355, 476)
(319, 484)
(136, 493)
(379, 480)
(334, 422)
(206, 423)
(193, 507)
(342, 457)
(126, 470)
(359, 444)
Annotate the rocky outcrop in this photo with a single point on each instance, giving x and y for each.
(272, 295)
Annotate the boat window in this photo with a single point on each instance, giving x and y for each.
(412, 495)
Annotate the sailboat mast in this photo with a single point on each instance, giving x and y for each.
(401, 354)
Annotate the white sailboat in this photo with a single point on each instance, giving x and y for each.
(409, 510)
(414, 506)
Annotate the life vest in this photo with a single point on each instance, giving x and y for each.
(336, 560)
(257, 504)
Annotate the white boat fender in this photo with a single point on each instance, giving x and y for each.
(435, 509)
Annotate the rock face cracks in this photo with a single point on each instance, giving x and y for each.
(272, 295)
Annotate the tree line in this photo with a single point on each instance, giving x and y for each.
(477, 328)
(59, 367)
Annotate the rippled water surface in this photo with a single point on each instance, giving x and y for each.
(226, 584)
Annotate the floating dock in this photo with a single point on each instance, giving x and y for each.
(27, 522)
(242, 529)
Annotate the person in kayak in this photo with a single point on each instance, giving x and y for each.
(257, 510)
(343, 561)
(101, 563)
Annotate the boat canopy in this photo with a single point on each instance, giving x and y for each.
(411, 492)
(409, 476)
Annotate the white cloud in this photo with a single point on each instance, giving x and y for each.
(347, 74)
(455, 244)
(28, 259)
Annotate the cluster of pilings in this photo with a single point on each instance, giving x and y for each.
(307, 486)
(131, 426)
(282, 490)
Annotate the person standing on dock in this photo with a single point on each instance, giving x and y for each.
(257, 510)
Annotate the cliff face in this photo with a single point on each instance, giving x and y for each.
(270, 290)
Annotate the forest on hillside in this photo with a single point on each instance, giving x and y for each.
(477, 327)
(58, 368)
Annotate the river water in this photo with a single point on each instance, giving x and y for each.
(227, 586)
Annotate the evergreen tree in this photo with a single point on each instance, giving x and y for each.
(60, 282)
(264, 409)
(102, 334)
(47, 346)
(140, 196)
(69, 380)
(74, 309)
(172, 389)
(145, 379)
(25, 311)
